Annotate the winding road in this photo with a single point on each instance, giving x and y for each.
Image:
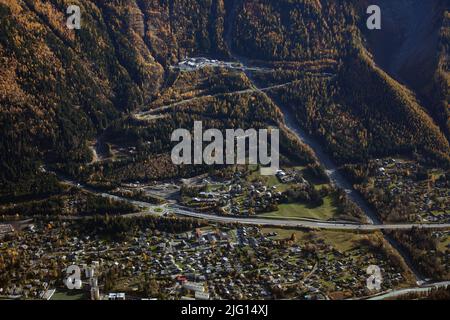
(336, 178)
(331, 168)
(303, 223)
(150, 209)
(157, 112)
(402, 292)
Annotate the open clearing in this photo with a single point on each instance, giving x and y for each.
(302, 211)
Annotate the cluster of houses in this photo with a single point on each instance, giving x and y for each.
(239, 197)
(192, 290)
(443, 240)
(290, 176)
(6, 229)
(428, 197)
(191, 64)
(207, 263)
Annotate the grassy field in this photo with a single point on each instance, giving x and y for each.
(352, 244)
(68, 295)
(297, 211)
(439, 213)
(269, 181)
(442, 244)
(341, 240)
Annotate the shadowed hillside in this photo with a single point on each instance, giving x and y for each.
(410, 47)
(60, 88)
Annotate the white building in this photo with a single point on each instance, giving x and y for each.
(95, 293)
(201, 295)
(193, 286)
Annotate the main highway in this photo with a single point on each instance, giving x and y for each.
(161, 210)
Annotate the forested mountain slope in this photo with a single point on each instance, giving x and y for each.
(61, 88)
(58, 87)
(363, 112)
(412, 47)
